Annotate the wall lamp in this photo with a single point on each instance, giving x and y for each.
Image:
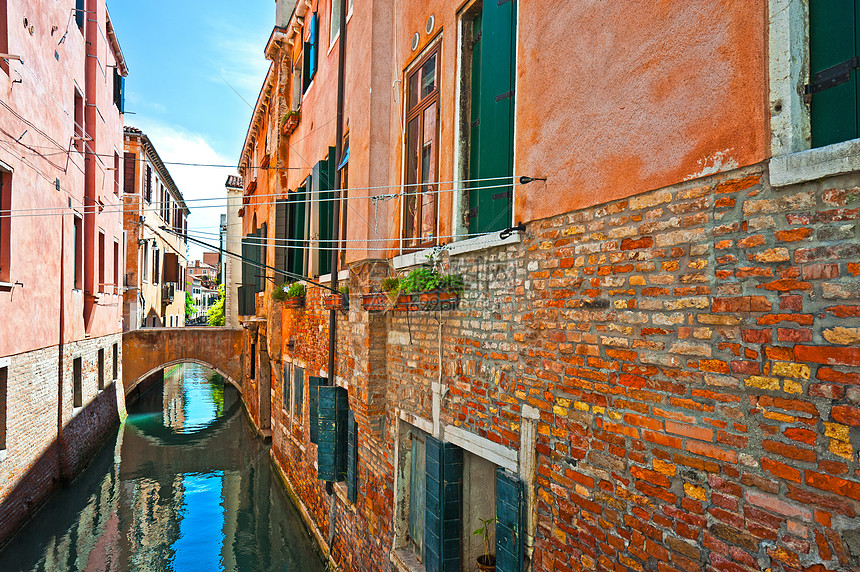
(526, 180)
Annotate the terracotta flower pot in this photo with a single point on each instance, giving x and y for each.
(487, 563)
(295, 302)
(336, 302)
(375, 301)
(439, 300)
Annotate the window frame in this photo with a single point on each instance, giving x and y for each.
(78, 252)
(298, 415)
(793, 160)
(4, 406)
(78, 120)
(4, 40)
(434, 48)
(5, 224)
(77, 383)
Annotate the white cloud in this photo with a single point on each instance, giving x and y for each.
(175, 145)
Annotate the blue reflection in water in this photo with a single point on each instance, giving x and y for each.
(184, 485)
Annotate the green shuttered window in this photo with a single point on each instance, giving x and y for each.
(314, 383)
(443, 506)
(311, 51)
(323, 183)
(834, 39)
(333, 432)
(352, 458)
(509, 522)
(491, 145)
(253, 255)
(281, 235)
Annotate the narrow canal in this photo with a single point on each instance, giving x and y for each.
(184, 485)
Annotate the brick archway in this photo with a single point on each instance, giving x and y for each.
(148, 350)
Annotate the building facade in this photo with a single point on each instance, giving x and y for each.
(61, 247)
(232, 244)
(654, 211)
(155, 218)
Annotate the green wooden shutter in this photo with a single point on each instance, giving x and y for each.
(297, 224)
(262, 237)
(496, 84)
(834, 39)
(288, 387)
(322, 183)
(352, 458)
(333, 420)
(510, 513)
(313, 408)
(311, 52)
(281, 240)
(79, 13)
(443, 507)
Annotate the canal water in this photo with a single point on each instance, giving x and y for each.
(184, 485)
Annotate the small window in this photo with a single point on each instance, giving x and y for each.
(297, 83)
(79, 14)
(156, 265)
(288, 383)
(78, 261)
(101, 357)
(252, 357)
(144, 262)
(417, 490)
(118, 90)
(77, 383)
(116, 266)
(129, 171)
(422, 153)
(4, 375)
(115, 368)
(79, 121)
(147, 183)
(4, 40)
(5, 225)
(102, 261)
(298, 395)
(116, 173)
(311, 51)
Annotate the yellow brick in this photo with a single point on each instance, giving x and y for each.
(774, 416)
(791, 386)
(543, 429)
(580, 406)
(841, 449)
(598, 410)
(770, 383)
(789, 369)
(561, 411)
(558, 533)
(615, 416)
(665, 468)
(563, 402)
(697, 493)
(559, 432)
(637, 281)
(836, 431)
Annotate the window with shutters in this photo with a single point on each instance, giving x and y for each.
(4, 39)
(344, 195)
(333, 433)
(129, 171)
(420, 196)
(287, 390)
(323, 197)
(311, 51)
(488, 32)
(79, 14)
(5, 224)
(156, 265)
(102, 262)
(78, 254)
(116, 173)
(334, 28)
(147, 183)
(118, 90)
(298, 399)
(115, 368)
(814, 61)
(144, 262)
(298, 83)
(79, 121)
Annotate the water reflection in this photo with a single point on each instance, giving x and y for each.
(185, 485)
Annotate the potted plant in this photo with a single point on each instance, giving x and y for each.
(435, 291)
(337, 301)
(381, 301)
(292, 294)
(487, 560)
(290, 121)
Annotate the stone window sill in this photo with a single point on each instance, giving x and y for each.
(6, 286)
(405, 561)
(340, 492)
(813, 164)
(341, 276)
(3, 454)
(483, 242)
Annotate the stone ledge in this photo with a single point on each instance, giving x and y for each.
(483, 242)
(405, 561)
(836, 159)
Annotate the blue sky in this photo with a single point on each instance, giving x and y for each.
(185, 60)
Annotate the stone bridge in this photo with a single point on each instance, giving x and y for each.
(148, 350)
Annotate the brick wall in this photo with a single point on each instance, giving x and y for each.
(693, 357)
(36, 459)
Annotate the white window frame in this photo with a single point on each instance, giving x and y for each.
(792, 160)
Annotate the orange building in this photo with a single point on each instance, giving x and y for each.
(653, 211)
(61, 253)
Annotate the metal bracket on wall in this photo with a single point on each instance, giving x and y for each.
(831, 77)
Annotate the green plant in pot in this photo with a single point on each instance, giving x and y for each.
(292, 294)
(436, 291)
(487, 560)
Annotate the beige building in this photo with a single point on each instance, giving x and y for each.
(154, 213)
(233, 243)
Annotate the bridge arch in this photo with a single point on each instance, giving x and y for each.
(148, 350)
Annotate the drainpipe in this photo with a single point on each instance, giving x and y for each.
(341, 65)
